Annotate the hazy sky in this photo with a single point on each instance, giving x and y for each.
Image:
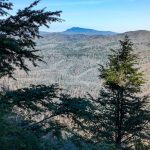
(114, 15)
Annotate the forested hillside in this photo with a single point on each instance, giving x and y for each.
(72, 60)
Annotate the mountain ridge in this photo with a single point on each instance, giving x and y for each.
(91, 32)
(87, 31)
(72, 60)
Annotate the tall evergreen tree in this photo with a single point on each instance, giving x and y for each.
(122, 116)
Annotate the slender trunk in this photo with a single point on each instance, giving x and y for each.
(119, 119)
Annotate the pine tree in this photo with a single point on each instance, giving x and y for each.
(17, 48)
(122, 116)
(18, 33)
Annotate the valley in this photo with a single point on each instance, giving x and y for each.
(72, 61)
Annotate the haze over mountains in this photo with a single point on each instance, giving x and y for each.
(84, 31)
(72, 59)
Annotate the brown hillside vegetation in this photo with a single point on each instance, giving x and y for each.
(72, 61)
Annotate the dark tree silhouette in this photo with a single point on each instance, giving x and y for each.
(17, 48)
(17, 35)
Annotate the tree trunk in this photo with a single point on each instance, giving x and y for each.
(119, 120)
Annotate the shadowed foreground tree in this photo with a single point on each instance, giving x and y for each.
(122, 116)
(35, 101)
(17, 49)
(20, 130)
(17, 110)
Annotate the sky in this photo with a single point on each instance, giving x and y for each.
(104, 15)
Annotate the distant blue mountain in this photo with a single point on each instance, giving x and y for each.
(85, 31)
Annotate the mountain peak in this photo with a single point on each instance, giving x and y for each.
(86, 31)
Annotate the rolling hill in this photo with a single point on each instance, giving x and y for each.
(72, 60)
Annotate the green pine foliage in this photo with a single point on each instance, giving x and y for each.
(18, 49)
(13, 137)
(121, 115)
(18, 33)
